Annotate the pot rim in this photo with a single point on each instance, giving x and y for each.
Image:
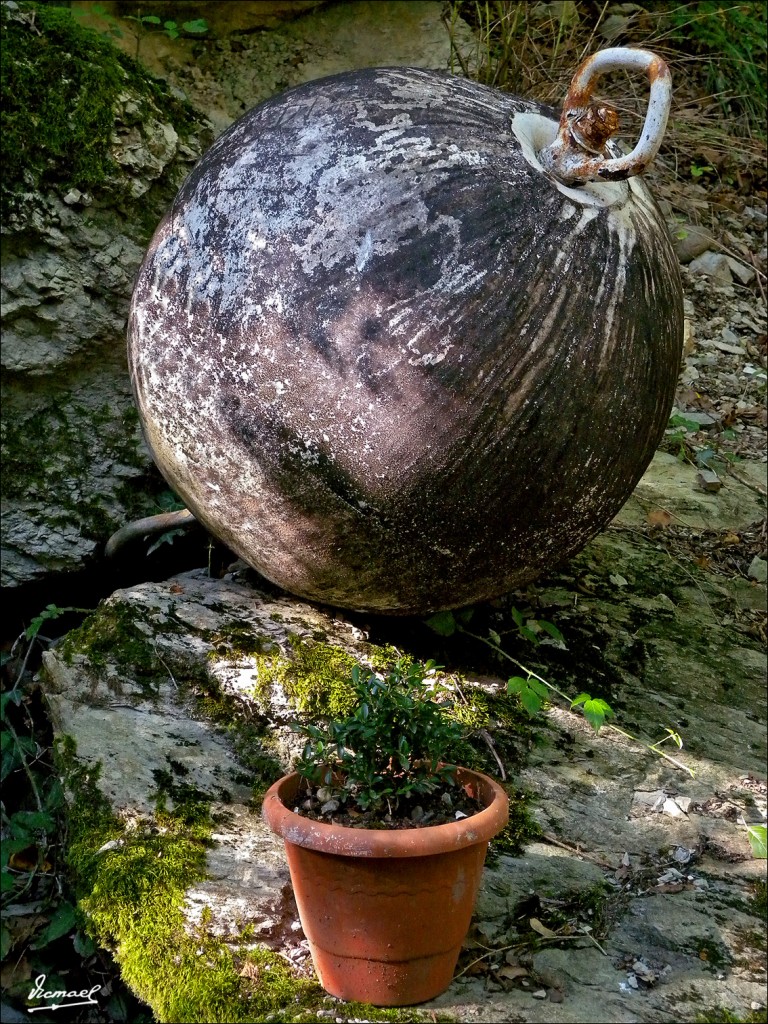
(409, 842)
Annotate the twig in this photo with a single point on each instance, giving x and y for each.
(485, 735)
(160, 659)
(758, 274)
(574, 849)
(589, 935)
(490, 952)
(747, 483)
(30, 776)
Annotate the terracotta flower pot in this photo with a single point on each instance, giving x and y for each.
(385, 911)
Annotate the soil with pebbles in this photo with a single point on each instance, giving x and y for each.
(441, 807)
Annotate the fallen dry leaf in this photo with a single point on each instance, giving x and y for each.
(24, 927)
(15, 973)
(249, 970)
(27, 860)
(510, 973)
(542, 929)
(659, 517)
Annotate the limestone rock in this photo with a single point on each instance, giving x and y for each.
(71, 443)
(185, 690)
(714, 265)
(690, 241)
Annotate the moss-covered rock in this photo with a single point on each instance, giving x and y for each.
(172, 706)
(94, 150)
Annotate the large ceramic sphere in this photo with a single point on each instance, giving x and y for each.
(387, 359)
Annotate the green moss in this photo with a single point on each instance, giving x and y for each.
(60, 85)
(722, 1015)
(759, 901)
(316, 677)
(48, 459)
(521, 828)
(715, 954)
(498, 716)
(113, 634)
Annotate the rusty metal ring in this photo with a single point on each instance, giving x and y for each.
(577, 154)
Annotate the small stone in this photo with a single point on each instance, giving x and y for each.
(754, 1005)
(113, 844)
(690, 241)
(73, 196)
(682, 855)
(671, 808)
(670, 875)
(654, 799)
(702, 419)
(324, 793)
(632, 981)
(741, 271)
(727, 347)
(329, 807)
(447, 799)
(758, 569)
(684, 803)
(417, 813)
(555, 995)
(714, 265)
(709, 481)
(459, 815)
(540, 993)
(701, 883)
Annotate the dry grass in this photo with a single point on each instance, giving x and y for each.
(714, 138)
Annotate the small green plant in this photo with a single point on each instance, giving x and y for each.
(698, 170)
(146, 23)
(392, 747)
(50, 611)
(533, 690)
(32, 805)
(167, 501)
(731, 41)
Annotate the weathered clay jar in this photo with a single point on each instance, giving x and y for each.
(393, 360)
(386, 911)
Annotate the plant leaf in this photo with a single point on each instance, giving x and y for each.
(443, 623)
(595, 709)
(553, 631)
(542, 929)
(758, 841)
(63, 920)
(198, 25)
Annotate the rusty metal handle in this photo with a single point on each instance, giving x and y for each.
(577, 154)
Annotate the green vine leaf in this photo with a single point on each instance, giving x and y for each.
(595, 709)
(532, 693)
(443, 623)
(758, 840)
